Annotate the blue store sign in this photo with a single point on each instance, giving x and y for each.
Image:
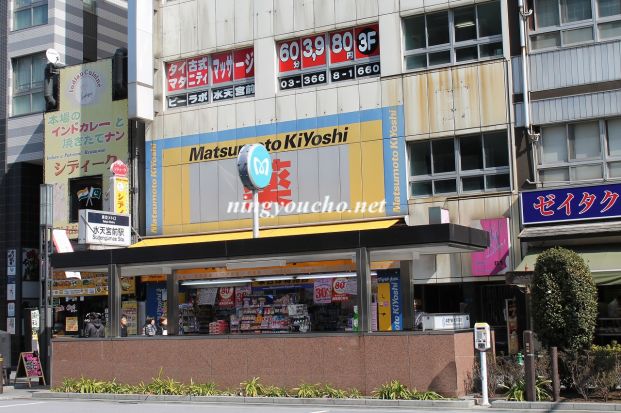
(571, 204)
(254, 164)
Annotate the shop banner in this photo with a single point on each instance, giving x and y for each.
(30, 264)
(339, 290)
(226, 296)
(389, 303)
(10, 325)
(570, 204)
(10, 292)
(11, 309)
(240, 293)
(494, 259)
(322, 291)
(156, 300)
(119, 197)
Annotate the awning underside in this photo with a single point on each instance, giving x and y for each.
(604, 262)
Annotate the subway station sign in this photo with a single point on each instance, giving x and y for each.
(330, 168)
(571, 204)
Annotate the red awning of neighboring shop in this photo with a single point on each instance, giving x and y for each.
(268, 233)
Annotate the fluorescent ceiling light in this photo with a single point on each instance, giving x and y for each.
(320, 276)
(244, 264)
(217, 282)
(463, 25)
(275, 278)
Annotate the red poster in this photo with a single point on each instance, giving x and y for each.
(198, 71)
(339, 288)
(341, 46)
(176, 75)
(244, 63)
(314, 51)
(240, 293)
(226, 296)
(367, 41)
(322, 291)
(288, 55)
(222, 67)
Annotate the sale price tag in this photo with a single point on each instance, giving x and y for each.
(339, 289)
(322, 291)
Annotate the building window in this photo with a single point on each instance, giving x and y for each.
(559, 23)
(28, 74)
(584, 151)
(28, 13)
(469, 164)
(453, 36)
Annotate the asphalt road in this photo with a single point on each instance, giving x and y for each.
(69, 406)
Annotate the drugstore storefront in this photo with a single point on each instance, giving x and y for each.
(336, 297)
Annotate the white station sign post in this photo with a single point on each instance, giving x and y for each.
(254, 164)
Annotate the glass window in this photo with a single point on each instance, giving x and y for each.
(465, 23)
(578, 35)
(546, 13)
(28, 13)
(443, 156)
(415, 33)
(483, 165)
(582, 151)
(489, 19)
(584, 140)
(546, 40)
(575, 10)
(607, 8)
(610, 30)
(28, 75)
(476, 34)
(554, 144)
(437, 29)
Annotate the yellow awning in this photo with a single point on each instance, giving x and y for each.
(267, 233)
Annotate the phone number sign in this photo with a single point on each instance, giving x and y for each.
(342, 55)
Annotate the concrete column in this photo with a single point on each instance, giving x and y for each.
(114, 299)
(172, 295)
(407, 294)
(363, 269)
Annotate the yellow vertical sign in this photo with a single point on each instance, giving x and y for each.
(383, 307)
(120, 194)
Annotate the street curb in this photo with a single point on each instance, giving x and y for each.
(455, 404)
(551, 406)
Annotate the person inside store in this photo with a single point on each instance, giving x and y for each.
(614, 306)
(162, 329)
(149, 328)
(94, 326)
(123, 329)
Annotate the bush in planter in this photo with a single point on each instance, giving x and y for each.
(564, 300)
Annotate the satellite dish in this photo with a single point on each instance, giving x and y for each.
(52, 56)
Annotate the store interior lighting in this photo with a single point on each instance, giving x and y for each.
(245, 264)
(276, 278)
(320, 276)
(197, 283)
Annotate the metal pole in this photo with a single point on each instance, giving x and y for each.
(529, 366)
(483, 356)
(255, 213)
(556, 382)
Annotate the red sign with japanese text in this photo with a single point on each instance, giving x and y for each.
(367, 41)
(244, 63)
(341, 46)
(226, 296)
(289, 55)
(339, 288)
(322, 291)
(278, 190)
(176, 75)
(198, 71)
(118, 168)
(222, 67)
(314, 51)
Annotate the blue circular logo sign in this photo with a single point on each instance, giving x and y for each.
(254, 164)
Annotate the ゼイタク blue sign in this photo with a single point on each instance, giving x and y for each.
(571, 204)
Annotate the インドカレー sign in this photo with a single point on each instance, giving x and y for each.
(104, 228)
(83, 138)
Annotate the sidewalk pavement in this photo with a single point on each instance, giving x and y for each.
(20, 390)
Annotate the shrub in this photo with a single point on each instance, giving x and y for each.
(517, 391)
(307, 391)
(393, 390)
(251, 388)
(564, 300)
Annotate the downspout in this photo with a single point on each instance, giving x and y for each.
(532, 137)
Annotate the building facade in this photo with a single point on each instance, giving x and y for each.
(80, 31)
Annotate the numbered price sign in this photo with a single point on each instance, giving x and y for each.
(314, 51)
(342, 46)
(289, 56)
(322, 291)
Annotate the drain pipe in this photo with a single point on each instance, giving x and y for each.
(532, 137)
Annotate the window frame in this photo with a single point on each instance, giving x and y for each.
(452, 46)
(604, 160)
(33, 5)
(594, 22)
(32, 90)
(458, 174)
